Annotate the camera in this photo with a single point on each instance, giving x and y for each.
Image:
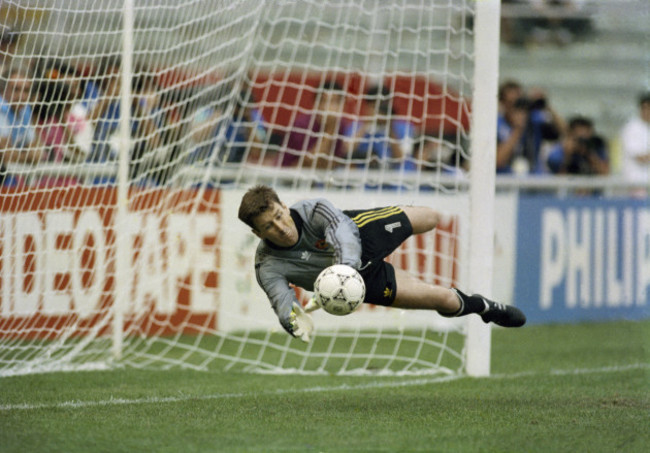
(590, 144)
(524, 103)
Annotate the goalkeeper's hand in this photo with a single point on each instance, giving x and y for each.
(301, 323)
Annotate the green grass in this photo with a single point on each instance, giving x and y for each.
(563, 388)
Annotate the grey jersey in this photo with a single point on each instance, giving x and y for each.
(327, 236)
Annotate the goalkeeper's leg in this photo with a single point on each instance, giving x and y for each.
(416, 294)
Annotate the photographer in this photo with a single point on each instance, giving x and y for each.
(524, 125)
(378, 137)
(582, 152)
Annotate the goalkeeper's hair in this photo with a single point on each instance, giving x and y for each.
(256, 200)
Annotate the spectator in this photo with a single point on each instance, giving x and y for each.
(147, 123)
(635, 141)
(8, 42)
(561, 21)
(171, 114)
(18, 139)
(430, 153)
(146, 117)
(582, 152)
(318, 140)
(378, 138)
(524, 125)
(204, 125)
(244, 131)
(66, 134)
(83, 90)
(545, 21)
(105, 113)
(236, 137)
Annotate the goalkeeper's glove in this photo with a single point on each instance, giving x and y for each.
(301, 323)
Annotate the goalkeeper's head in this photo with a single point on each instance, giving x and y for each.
(256, 201)
(269, 218)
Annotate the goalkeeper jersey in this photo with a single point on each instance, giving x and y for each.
(326, 236)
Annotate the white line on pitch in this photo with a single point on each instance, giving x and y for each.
(344, 387)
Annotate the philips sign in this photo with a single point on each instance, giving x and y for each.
(583, 259)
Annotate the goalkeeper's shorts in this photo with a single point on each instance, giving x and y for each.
(382, 230)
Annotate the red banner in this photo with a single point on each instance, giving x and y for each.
(58, 253)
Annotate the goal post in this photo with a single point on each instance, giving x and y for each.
(482, 174)
(120, 243)
(125, 144)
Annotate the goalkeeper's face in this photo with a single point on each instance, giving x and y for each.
(276, 226)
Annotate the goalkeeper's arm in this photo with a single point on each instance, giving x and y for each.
(292, 316)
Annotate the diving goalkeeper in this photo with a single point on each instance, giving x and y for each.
(297, 243)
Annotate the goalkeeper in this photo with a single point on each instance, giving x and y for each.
(297, 243)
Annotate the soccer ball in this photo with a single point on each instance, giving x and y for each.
(339, 289)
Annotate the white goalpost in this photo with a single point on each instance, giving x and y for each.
(486, 79)
(131, 129)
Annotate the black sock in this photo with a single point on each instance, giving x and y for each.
(468, 304)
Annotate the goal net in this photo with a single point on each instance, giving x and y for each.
(131, 129)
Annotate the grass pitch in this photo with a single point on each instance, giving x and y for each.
(560, 388)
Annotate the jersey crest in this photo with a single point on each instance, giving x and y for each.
(321, 244)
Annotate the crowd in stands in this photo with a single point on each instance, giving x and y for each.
(546, 22)
(54, 112)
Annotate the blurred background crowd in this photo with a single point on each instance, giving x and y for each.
(54, 111)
